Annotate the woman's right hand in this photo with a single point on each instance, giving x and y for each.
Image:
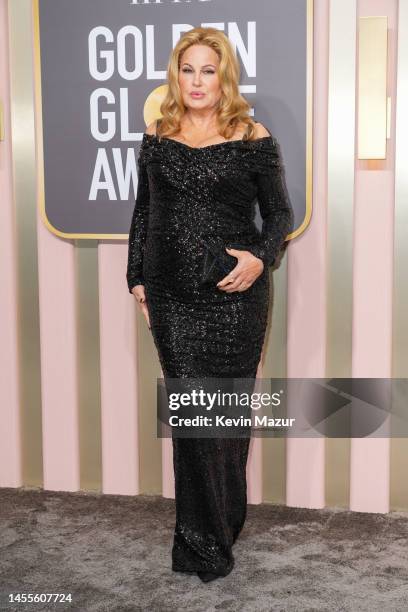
(139, 293)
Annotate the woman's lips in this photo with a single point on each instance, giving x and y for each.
(197, 95)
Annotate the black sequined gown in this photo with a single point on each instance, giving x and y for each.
(203, 331)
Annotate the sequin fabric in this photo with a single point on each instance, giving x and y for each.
(200, 331)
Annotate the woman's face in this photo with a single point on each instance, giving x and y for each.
(198, 77)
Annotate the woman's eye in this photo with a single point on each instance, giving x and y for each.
(189, 70)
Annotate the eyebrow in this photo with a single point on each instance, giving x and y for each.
(205, 66)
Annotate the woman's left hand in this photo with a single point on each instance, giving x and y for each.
(244, 274)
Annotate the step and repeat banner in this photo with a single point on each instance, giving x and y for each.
(100, 75)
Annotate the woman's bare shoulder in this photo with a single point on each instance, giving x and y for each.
(261, 131)
(151, 128)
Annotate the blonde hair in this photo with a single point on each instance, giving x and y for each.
(232, 108)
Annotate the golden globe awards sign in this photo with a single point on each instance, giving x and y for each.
(100, 76)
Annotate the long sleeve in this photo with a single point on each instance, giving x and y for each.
(274, 206)
(138, 228)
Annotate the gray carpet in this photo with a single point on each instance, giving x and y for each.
(112, 552)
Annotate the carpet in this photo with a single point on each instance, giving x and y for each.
(113, 553)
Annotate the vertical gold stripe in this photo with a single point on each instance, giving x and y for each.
(89, 381)
(341, 138)
(274, 366)
(399, 446)
(372, 87)
(23, 139)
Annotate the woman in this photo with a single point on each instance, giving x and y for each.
(200, 169)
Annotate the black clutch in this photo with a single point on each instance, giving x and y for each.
(217, 263)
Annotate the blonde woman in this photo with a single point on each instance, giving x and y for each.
(198, 268)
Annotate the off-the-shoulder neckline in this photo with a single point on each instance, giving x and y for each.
(211, 146)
